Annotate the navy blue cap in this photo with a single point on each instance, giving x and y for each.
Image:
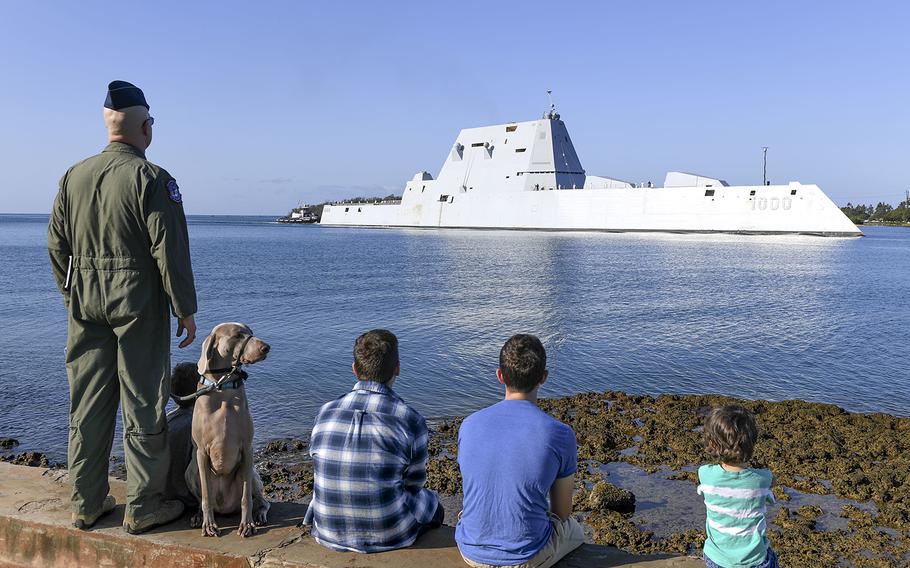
(121, 94)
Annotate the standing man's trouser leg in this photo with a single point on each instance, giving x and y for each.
(91, 367)
(137, 352)
(144, 360)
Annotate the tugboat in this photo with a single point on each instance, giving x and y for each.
(302, 214)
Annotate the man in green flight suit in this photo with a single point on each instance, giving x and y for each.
(120, 254)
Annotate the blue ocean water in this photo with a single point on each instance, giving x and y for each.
(820, 319)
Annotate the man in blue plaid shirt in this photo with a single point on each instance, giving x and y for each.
(369, 452)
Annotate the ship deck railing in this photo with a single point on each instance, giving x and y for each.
(386, 202)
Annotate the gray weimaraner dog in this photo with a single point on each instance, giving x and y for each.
(221, 475)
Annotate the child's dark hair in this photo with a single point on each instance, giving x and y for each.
(184, 381)
(730, 434)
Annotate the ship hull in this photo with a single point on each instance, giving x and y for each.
(783, 209)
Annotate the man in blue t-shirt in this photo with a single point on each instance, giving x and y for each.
(513, 456)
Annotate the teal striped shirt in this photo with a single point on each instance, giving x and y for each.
(736, 503)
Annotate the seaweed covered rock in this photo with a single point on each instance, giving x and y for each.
(286, 481)
(284, 445)
(444, 476)
(614, 529)
(605, 496)
(31, 459)
(286, 470)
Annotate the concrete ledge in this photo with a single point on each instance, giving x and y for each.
(35, 532)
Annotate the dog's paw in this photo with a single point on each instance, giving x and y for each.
(246, 529)
(209, 528)
(196, 520)
(261, 517)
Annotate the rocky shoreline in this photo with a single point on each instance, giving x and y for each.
(860, 462)
(843, 479)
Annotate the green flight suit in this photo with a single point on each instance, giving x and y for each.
(119, 250)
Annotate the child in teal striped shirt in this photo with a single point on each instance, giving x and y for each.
(736, 495)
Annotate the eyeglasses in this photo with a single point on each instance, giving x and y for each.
(150, 120)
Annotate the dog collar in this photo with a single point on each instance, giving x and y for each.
(235, 384)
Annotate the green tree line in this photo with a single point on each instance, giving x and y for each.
(879, 213)
(317, 209)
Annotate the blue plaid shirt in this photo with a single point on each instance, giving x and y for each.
(369, 453)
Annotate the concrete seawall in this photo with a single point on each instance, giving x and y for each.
(35, 532)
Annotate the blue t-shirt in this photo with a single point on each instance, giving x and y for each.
(510, 454)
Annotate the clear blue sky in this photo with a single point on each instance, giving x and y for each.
(260, 105)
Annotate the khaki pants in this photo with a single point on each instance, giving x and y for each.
(567, 536)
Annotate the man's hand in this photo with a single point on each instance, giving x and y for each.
(189, 324)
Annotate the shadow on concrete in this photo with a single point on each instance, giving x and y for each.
(588, 555)
(281, 515)
(443, 537)
(112, 519)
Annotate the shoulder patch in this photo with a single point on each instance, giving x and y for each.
(173, 191)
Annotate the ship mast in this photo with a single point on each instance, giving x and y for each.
(551, 113)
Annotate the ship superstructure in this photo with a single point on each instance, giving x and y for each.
(527, 175)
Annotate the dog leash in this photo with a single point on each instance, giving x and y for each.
(219, 384)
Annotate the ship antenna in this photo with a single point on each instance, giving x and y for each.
(764, 180)
(552, 112)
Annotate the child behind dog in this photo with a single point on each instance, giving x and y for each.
(736, 495)
(184, 381)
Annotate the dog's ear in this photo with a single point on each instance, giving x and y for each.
(207, 353)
